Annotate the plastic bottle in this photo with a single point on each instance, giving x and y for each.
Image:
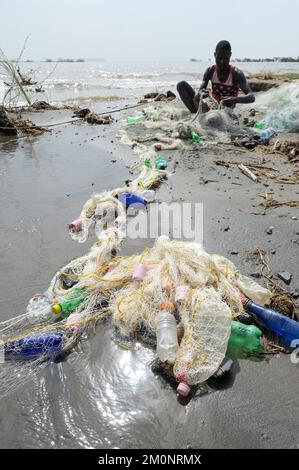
(246, 337)
(253, 290)
(167, 340)
(260, 125)
(160, 162)
(70, 302)
(32, 346)
(75, 226)
(135, 119)
(267, 133)
(147, 162)
(39, 309)
(223, 370)
(195, 137)
(129, 199)
(285, 327)
(147, 194)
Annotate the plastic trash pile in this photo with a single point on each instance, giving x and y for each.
(173, 287)
(174, 295)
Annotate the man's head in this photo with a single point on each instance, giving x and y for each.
(223, 54)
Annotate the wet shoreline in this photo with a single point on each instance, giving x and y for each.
(103, 396)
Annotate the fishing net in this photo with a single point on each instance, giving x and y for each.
(280, 107)
(102, 284)
(131, 290)
(172, 127)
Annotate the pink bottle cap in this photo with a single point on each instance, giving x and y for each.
(181, 293)
(183, 389)
(140, 272)
(75, 226)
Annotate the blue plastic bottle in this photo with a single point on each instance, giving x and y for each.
(285, 327)
(130, 199)
(47, 344)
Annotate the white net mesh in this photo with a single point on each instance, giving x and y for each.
(280, 107)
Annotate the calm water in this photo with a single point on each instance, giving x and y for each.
(96, 82)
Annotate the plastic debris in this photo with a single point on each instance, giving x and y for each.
(285, 327)
(253, 290)
(130, 199)
(31, 346)
(195, 137)
(160, 162)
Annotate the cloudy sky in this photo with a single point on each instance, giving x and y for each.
(148, 30)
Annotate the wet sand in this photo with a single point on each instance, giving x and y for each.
(103, 396)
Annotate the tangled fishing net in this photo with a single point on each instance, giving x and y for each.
(280, 107)
(102, 284)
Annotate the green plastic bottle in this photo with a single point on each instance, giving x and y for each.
(147, 162)
(260, 125)
(160, 162)
(70, 302)
(244, 340)
(195, 137)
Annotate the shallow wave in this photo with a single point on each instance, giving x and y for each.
(146, 75)
(97, 98)
(117, 85)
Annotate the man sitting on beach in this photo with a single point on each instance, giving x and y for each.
(226, 81)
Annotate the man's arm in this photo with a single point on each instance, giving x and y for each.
(204, 84)
(243, 85)
(205, 80)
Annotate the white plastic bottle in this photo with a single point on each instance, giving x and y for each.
(167, 339)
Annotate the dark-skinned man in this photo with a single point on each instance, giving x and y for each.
(225, 79)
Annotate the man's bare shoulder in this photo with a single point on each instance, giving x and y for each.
(239, 74)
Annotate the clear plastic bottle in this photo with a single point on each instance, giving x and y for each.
(39, 309)
(147, 194)
(253, 290)
(267, 133)
(167, 340)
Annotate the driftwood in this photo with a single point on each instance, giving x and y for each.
(248, 172)
(270, 202)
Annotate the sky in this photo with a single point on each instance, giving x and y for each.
(148, 30)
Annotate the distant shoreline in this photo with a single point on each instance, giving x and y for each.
(247, 59)
(72, 61)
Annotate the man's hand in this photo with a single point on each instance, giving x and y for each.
(196, 100)
(203, 93)
(229, 101)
